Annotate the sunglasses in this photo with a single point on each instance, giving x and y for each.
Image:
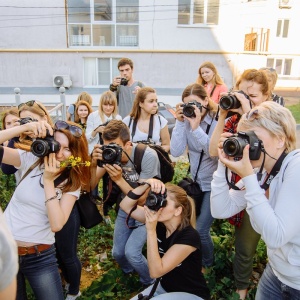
(31, 103)
(62, 125)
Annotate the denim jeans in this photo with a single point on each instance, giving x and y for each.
(42, 273)
(161, 294)
(66, 249)
(128, 245)
(271, 288)
(204, 221)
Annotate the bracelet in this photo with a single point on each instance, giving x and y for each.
(113, 88)
(50, 199)
(133, 196)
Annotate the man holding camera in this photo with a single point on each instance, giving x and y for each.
(125, 86)
(116, 157)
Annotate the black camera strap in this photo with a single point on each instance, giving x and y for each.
(269, 177)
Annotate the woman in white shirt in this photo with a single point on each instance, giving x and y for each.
(144, 110)
(270, 196)
(107, 110)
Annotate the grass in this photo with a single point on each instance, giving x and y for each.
(295, 110)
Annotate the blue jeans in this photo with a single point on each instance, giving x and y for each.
(204, 221)
(128, 245)
(42, 273)
(271, 288)
(66, 248)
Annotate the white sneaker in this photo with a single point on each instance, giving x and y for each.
(73, 297)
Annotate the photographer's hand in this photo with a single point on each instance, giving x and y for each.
(241, 167)
(245, 103)
(195, 122)
(37, 129)
(151, 218)
(116, 81)
(52, 167)
(114, 172)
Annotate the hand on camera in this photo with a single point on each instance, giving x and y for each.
(52, 166)
(117, 81)
(37, 129)
(97, 153)
(157, 186)
(114, 171)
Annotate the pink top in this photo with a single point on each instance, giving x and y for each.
(220, 88)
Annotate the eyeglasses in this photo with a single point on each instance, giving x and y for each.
(31, 103)
(62, 125)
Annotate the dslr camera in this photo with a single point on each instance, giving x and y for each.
(111, 154)
(23, 121)
(124, 81)
(234, 145)
(231, 101)
(43, 146)
(155, 201)
(188, 109)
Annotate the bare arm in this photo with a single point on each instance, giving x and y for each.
(9, 293)
(165, 138)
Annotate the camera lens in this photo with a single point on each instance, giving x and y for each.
(229, 102)
(151, 200)
(189, 111)
(234, 146)
(109, 155)
(39, 148)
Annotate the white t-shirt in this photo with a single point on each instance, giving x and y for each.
(26, 213)
(92, 123)
(159, 123)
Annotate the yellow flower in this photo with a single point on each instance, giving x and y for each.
(74, 162)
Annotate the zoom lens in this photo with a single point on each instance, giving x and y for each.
(229, 102)
(234, 146)
(39, 148)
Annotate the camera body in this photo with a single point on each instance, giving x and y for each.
(155, 201)
(43, 146)
(26, 120)
(234, 145)
(231, 101)
(111, 154)
(124, 81)
(188, 109)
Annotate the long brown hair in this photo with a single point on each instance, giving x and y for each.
(217, 78)
(140, 98)
(82, 102)
(199, 91)
(79, 176)
(180, 197)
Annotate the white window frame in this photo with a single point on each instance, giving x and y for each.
(280, 70)
(280, 34)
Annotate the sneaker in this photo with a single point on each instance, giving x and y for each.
(73, 297)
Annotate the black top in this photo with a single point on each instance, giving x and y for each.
(186, 277)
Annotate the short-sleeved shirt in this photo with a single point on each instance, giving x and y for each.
(8, 255)
(159, 123)
(187, 276)
(126, 97)
(26, 214)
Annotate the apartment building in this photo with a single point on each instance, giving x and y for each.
(77, 43)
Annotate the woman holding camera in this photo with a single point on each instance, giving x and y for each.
(252, 89)
(270, 196)
(194, 133)
(209, 77)
(173, 244)
(44, 199)
(144, 122)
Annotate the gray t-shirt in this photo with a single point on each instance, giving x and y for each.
(126, 98)
(8, 255)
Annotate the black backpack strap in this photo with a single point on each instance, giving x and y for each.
(138, 156)
(133, 128)
(150, 132)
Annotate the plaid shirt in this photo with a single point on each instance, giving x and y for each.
(231, 126)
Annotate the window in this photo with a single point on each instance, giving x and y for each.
(191, 12)
(257, 39)
(282, 28)
(100, 71)
(283, 66)
(103, 23)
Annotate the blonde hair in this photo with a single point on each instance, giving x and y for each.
(180, 197)
(217, 78)
(85, 97)
(272, 77)
(12, 111)
(108, 97)
(274, 118)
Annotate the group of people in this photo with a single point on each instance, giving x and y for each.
(256, 193)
